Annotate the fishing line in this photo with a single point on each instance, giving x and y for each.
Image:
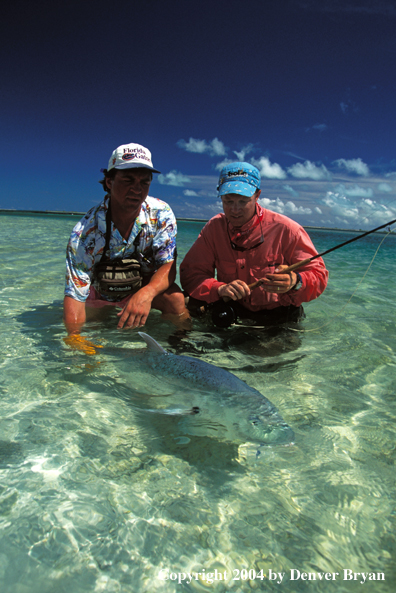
(350, 298)
(306, 261)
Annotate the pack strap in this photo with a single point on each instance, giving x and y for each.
(108, 235)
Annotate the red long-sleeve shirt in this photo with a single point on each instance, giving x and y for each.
(285, 242)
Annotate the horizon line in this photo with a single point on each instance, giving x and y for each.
(74, 213)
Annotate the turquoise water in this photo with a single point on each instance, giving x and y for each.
(98, 495)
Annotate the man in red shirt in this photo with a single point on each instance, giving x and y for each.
(249, 243)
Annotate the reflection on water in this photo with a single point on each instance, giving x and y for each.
(98, 493)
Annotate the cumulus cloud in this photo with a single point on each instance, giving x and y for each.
(173, 178)
(366, 212)
(240, 155)
(268, 169)
(354, 191)
(340, 206)
(384, 187)
(190, 192)
(214, 148)
(287, 208)
(215, 208)
(223, 163)
(356, 166)
(309, 170)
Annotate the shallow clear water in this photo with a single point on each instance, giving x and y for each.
(98, 494)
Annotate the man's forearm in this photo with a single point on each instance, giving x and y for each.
(162, 279)
(74, 315)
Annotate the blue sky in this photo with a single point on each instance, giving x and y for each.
(303, 89)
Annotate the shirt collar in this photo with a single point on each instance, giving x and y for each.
(248, 234)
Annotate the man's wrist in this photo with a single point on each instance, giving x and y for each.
(298, 283)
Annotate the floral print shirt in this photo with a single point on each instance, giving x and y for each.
(156, 224)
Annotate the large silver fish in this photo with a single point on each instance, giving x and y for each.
(210, 401)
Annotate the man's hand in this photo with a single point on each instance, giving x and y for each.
(137, 309)
(78, 342)
(278, 282)
(235, 290)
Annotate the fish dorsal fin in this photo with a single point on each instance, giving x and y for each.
(152, 344)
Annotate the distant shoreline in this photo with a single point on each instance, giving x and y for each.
(80, 214)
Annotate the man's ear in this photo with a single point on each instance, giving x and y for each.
(257, 194)
(109, 183)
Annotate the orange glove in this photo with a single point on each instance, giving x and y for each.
(77, 342)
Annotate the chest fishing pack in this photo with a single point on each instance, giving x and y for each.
(117, 278)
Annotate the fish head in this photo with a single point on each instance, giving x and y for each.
(261, 430)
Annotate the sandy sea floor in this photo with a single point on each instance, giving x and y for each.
(99, 494)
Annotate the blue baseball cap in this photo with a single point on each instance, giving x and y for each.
(239, 178)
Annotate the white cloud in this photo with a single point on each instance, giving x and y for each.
(215, 147)
(384, 187)
(309, 170)
(223, 163)
(291, 208)
(193, 145)
(189, 192)
(318, 128)
(354, 214)
(173, 178)
(287, 208)
(216, 208)
(340, 206)
(356, 166)
(354, 191)
(268, 169)
(243, 152)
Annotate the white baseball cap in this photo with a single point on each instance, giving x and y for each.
(131, 156)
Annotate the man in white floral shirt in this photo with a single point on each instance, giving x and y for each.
(142, 227)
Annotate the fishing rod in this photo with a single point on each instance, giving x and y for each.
(226, 316)
(309, 259)
(306, 261)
